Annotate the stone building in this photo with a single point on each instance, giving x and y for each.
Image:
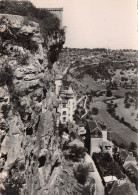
(98, 138)
(67, 100)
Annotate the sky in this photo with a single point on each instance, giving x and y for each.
(97, 23)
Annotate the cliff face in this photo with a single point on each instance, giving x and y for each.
(29, 154)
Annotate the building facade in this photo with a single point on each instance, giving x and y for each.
(67, 101)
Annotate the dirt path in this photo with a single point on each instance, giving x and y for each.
(85, 108)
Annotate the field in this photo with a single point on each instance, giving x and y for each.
(128, 114)
(113, 125)
(119, 140)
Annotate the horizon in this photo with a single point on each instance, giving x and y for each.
(97, 23)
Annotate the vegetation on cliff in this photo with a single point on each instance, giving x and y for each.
(48, 22)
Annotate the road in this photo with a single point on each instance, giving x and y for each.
(85, 108)
(95, 175)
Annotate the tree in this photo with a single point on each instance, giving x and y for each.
(133, 146)
(109, 93)
(95, 111)
(76, 152)
(115, 142)
(81, 173)
(115, 105)
(122, 120)
(127, 105)
(122, 146)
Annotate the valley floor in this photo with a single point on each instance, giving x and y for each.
(124, 132)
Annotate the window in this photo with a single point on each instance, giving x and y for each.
(64, 113)
(64, 105)
(64, 119)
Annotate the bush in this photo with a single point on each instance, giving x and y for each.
(75, 152)
(133, 146)
(81, 173)
(117, 117)
(122, 120)
(109, 93)
(95, 111)
(127, 105)
(115, 105)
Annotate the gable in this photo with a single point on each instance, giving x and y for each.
(96, 133)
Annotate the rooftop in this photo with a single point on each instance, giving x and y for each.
(121, 188)
(76, 142)
(110, 179)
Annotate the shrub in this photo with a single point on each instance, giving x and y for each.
(122, 120)
(134, 129)
(81, 173)
(127, 105)
(122, 146)
(133, 146)
(75, 152)
(115, 105)
(109, 93)
(117, 117)
(95, 111)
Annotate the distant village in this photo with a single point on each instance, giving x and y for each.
(93, 135)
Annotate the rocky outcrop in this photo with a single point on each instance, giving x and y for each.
(29, 154)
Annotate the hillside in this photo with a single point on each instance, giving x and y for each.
(95, 69)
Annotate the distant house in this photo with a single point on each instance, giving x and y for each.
(65, 136)
(125, 157)
(121, 187)
(76, 142)
(74, 135)
(109, 180)
(98, 137)
(75, 139)
(132, 169)
(81, 129)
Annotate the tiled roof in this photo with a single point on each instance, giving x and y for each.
(80, 124)
(92, 125)
(76, 142)
(66, 83)
(96, 131)
(121, 189)
(126, 166)
(75, 135)
(130, 158)
(107, 143)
